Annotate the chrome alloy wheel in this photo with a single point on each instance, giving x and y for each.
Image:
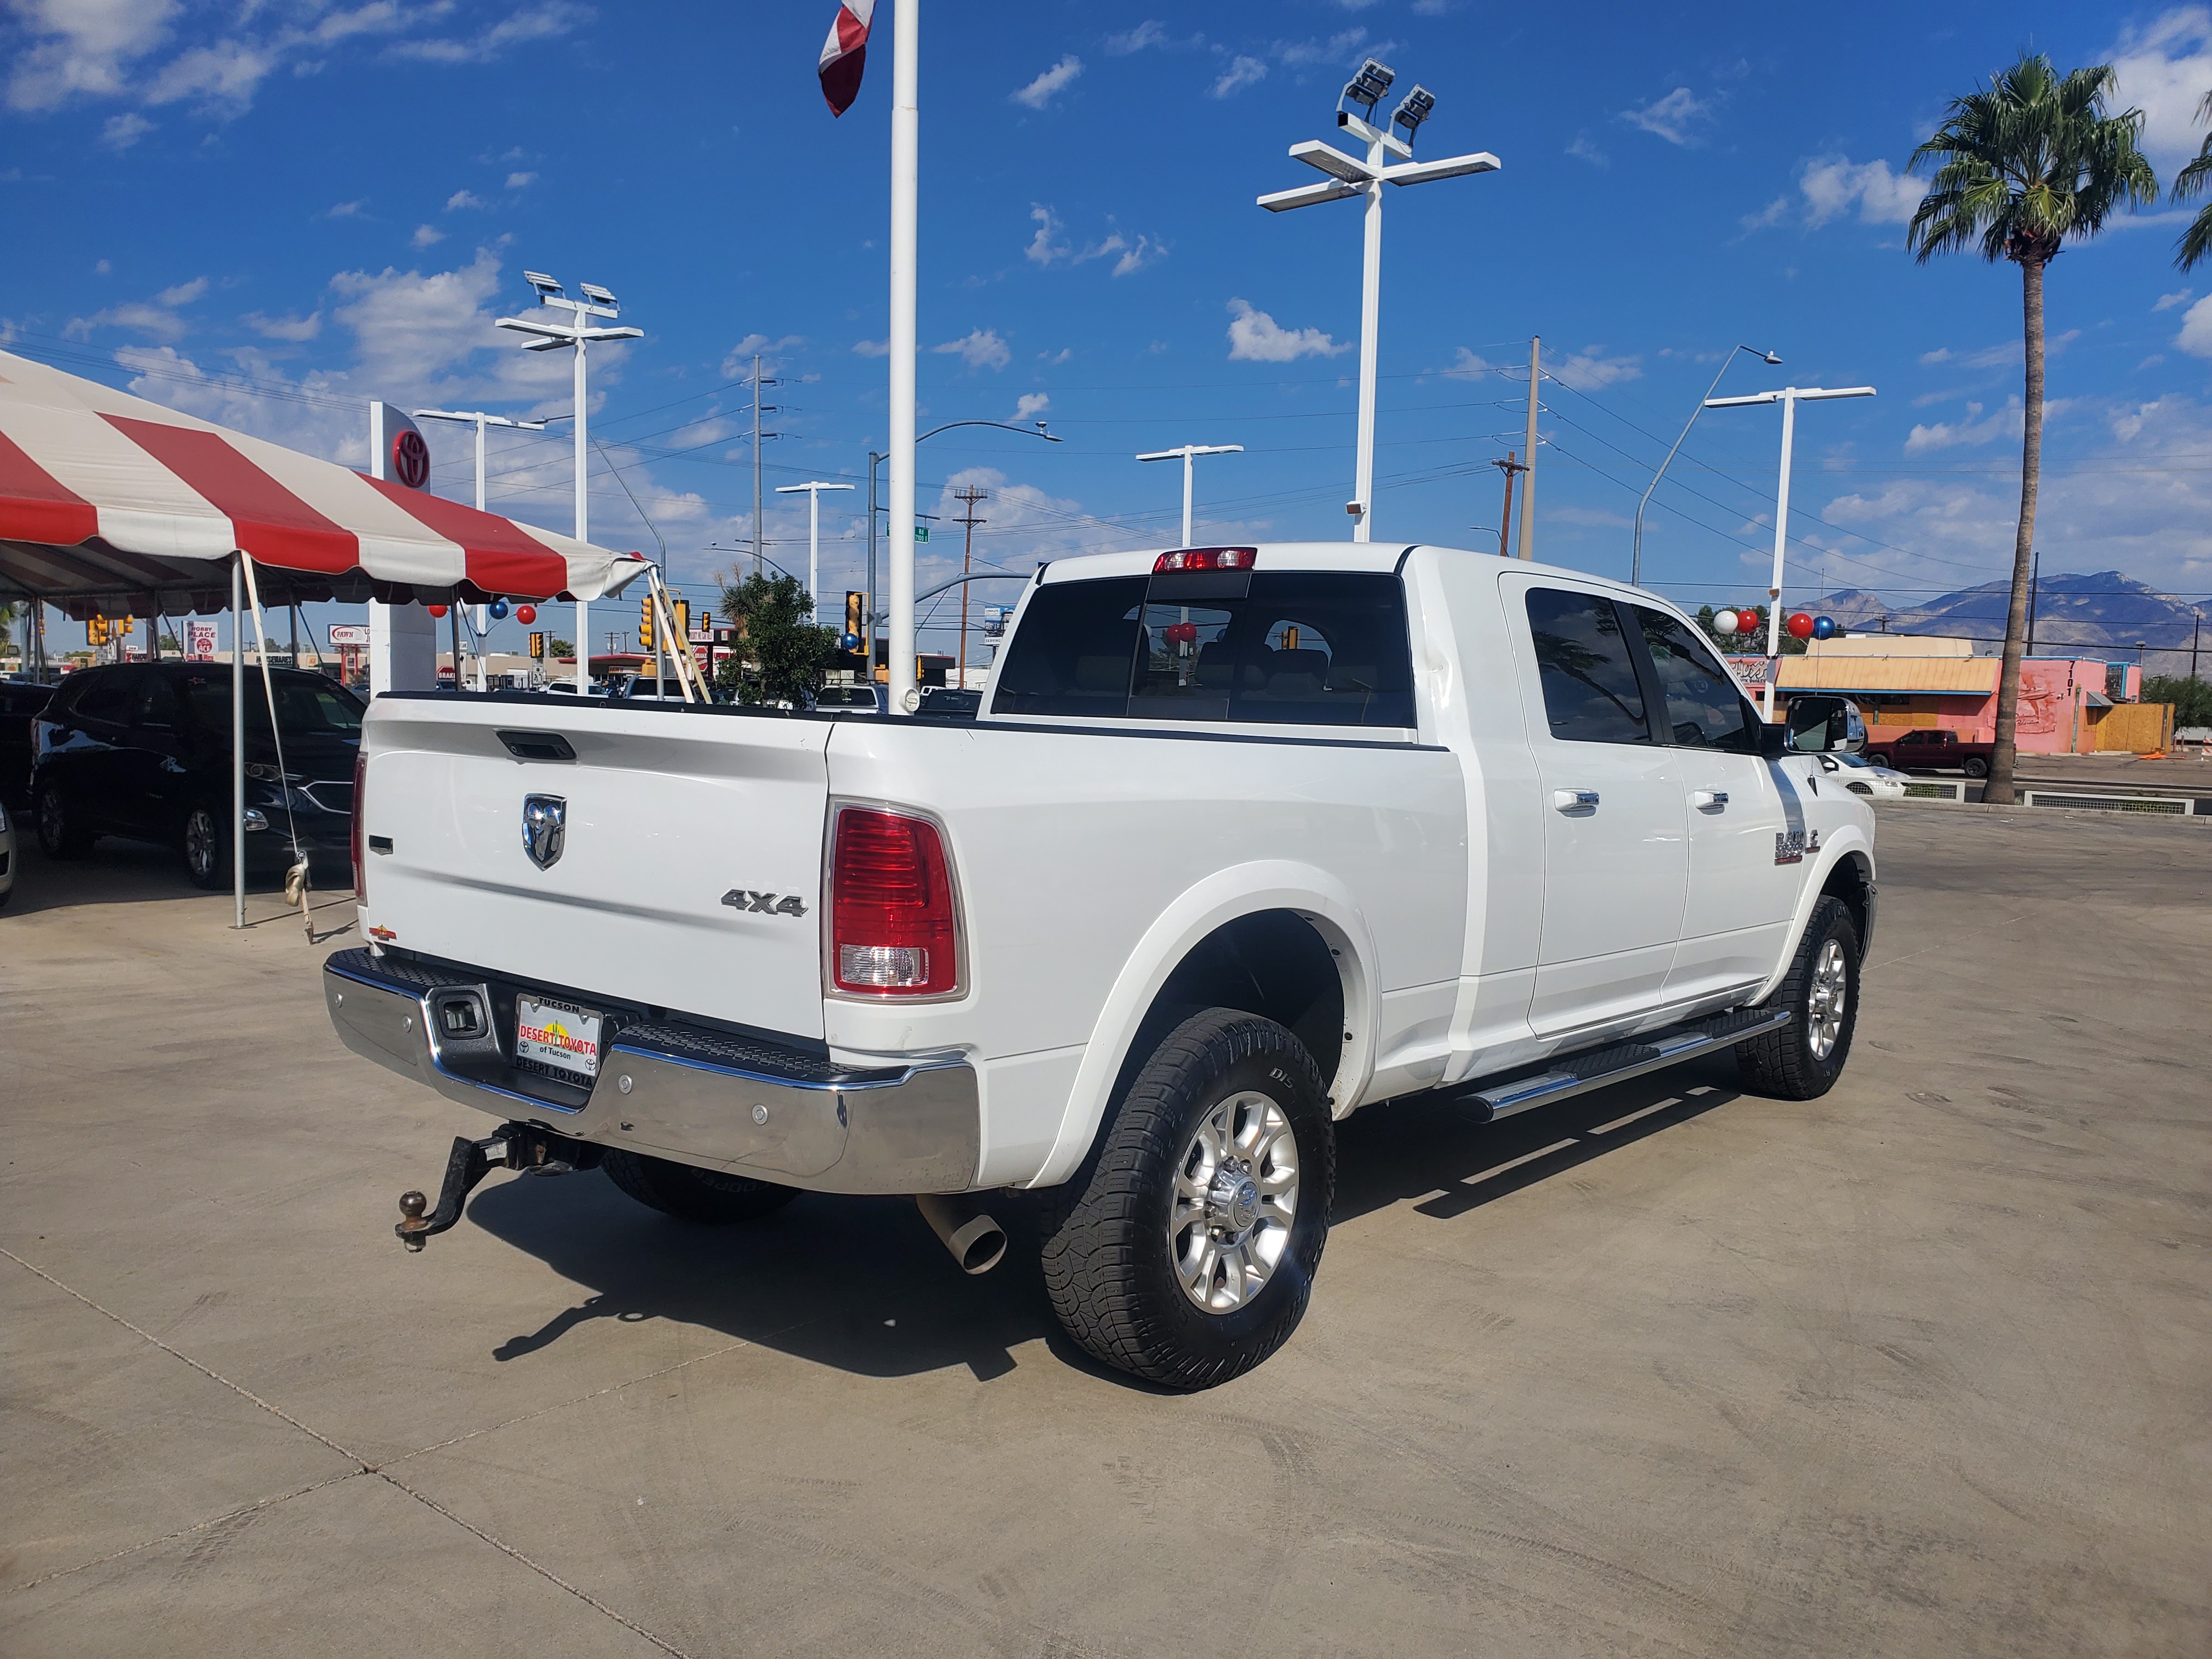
(200, 848)
(1825, 999)
(1235, 1199)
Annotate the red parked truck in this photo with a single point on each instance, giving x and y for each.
(1932, 749)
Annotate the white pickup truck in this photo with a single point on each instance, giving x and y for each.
(1241, 840)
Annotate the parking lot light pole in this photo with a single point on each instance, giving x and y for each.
(813, 488)
(1185, 453)
(481, 420)
(577, 335)
(1635, 545)
(1351, 176)
(1790, 397)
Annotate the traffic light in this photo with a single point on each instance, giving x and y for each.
(645, 622)
(683, 640)
(855, 603)
(96, 630)
(538, 647)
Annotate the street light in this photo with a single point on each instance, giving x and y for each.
(1635, 552)
(575, 334)
(902, 556)
(1790, 397)
(1185, 453)
(1350, 176)
(813, 488)
(483, 619)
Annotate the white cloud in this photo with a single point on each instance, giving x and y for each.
(2168, 302)
(871, 348)
(1672, 117)
(1240, 73)
(135, 315)
(1150, 33)
(223, 76)
(463, 198)
(1341, 48)
(2164, 68)
(1256, 337)
(520, 180)
(1054, 359)
(426, 236)
(295, 329)
(979, 348)
(1833, 184)
(79, 49)
(1582, 149)
(546, 21)
(1773, 214)
(1588, 370)
(737, 363)
(1999, 356)
(1041, 91)
(2196, 335)
(343, 211)
(1032, 404)
(1044, 247)
(102, 268)
(1466, 366)
(1978, 428)
(121, 132)
(183, 294)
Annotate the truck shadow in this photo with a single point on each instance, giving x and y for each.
(862, 1285)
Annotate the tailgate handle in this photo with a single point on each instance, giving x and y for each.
(537, 746)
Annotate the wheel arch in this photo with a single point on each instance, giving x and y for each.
(1273, 939)
(1846, 871)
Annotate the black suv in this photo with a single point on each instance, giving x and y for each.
(19, 701)
(142, 750)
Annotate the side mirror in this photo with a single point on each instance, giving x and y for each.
(1825, 725)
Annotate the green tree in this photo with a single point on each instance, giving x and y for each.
(2190, 694)
(2020, 167)
(2189, 183)
(781, 657)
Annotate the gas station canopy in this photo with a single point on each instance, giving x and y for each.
(112, 504)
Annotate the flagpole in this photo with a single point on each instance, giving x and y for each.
(906, 146)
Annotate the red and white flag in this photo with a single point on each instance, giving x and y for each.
(844, 53)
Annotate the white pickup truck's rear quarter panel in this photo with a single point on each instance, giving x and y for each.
(666, 812)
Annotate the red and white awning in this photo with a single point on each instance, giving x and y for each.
(108, 497)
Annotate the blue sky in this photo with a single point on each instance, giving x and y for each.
(268, 213)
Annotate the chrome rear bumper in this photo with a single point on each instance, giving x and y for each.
(672, 1089)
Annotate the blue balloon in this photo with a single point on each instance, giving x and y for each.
(1824, 628)
(849, 643)
(499, 610)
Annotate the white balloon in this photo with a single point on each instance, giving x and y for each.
(1723, 621)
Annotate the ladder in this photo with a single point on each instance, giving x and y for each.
(688, 679)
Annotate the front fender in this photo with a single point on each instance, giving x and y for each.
(1845, 842)
(1241, 891)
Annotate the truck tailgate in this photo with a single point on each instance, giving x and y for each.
(665, 813)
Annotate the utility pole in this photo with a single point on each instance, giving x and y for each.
(1528, 484)
(759, 410)
(1509, 466)
(812, 490)
(968, 498)
(2195, 634)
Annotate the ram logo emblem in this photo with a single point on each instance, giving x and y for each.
(545, 828)
(764, 905)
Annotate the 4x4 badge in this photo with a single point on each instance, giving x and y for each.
(770, 904)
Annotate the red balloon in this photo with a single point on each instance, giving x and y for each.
(526, 614)
(1181, 633)
(437, 610)
(1799, 626)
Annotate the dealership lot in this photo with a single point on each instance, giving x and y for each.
(1919, 1367)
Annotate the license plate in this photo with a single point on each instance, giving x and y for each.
(557, 1034)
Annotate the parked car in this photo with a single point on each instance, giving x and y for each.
(143, 750)
(1862, 776)
(7, 854)
(1934, 749)
(19, 701)
(1244, 840)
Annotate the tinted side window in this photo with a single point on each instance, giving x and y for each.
(1590, 692)
(107, 698)
(1074, 650)
(158, 706)
(1705, 710)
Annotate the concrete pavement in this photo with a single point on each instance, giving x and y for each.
(1921, 1367)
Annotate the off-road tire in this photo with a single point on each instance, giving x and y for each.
(59, 835)
(690, 1194)
(1108, 1268)
(205, 848)
(1975, 767)
(1783, 1063)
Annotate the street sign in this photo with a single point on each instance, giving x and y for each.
(921, 532)
(348, 634)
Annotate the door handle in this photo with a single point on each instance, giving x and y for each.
(1574, 800)
(1709, 800)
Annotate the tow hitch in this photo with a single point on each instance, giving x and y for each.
(520, 1146)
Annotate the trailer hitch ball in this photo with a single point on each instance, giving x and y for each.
(410, 1231)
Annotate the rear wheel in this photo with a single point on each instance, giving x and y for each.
(206, 848)
(1184, 1249)
(1804, 1058)
(60, 834)
(690, 1194)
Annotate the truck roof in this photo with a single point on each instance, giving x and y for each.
(1384, 557)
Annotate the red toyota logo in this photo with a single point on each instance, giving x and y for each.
(410, 460)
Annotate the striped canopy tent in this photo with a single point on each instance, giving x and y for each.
(113, 505)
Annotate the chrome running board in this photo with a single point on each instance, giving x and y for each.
(1595, 1069)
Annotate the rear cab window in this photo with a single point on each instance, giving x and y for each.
(1281, 648)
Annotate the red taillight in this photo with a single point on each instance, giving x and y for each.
(360, 801)
(892, 930)
(1207, 558)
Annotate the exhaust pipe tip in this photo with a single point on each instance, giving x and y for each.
(977, 1241)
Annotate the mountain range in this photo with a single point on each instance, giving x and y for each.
(2106, 613)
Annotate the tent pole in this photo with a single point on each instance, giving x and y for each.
(237, 744)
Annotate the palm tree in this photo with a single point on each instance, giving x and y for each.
(2197, 241)
(2020, 167)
